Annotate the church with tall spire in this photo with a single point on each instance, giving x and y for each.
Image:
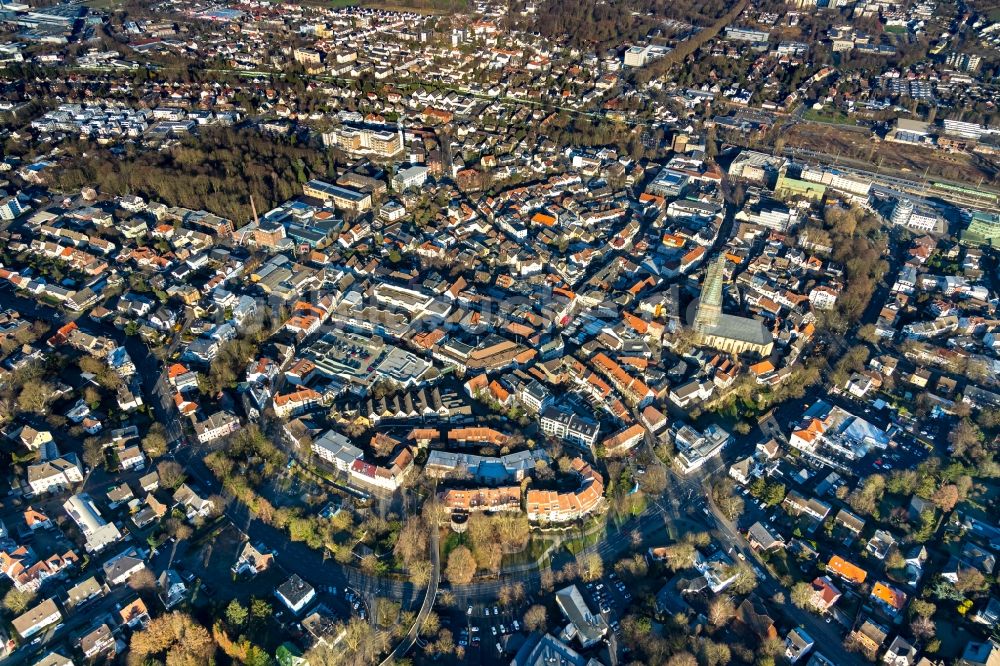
(709, 312)
(725, 332)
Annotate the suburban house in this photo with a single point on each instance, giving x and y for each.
(296, 594)
(216, 426)
(34, 439)
(764, 538)
(37, 618)
(36, 520)
(55, 475)
(253, 560)
(131, 458)
(194, 505)
(797, 504)
(120, 568)
(826, 593)
(83, 592)
(98, 642)
(797, 644)
(170, 588)
(134, 614)
(849, 572)
(900, 653)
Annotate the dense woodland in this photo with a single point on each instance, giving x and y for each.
(607, 24)
(216, 171)
(443, 6)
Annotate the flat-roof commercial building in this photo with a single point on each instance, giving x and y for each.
(341, 197)
(360, 361)
(695, 448)
(365, 140)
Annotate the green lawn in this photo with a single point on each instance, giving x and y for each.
(824, 116)
(782, 568)
(536, 547)
(451, 542)
(589, 538)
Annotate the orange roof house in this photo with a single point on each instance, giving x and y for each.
(624, 440)
(134, 612)
(507, 498)
(640, 285)
(35, 518)
(562, 291)
(826, 593)
(185, 406)
(302, 395)
(543, 219)
(672, 240)
(292, 403)
(693, 256)
(520, 329)
(62, 335)
(893, 598)
(525, 356)
(632, 388)
(846, 570)
(654, 199)
(635, 323)
(499, 393)
(637, 362)
(424, 435)
(476, 385)
(552, 506)
(300, 370)
(810, 434)
(477, 436)
(427, 339)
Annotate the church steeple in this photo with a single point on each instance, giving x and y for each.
(709, 312)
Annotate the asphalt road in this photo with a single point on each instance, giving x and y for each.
(296, 557)
(828, 638)
(430, 596)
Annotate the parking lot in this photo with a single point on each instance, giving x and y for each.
(492, 633)
(610, 597)
(355, 603)
(488, 632)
